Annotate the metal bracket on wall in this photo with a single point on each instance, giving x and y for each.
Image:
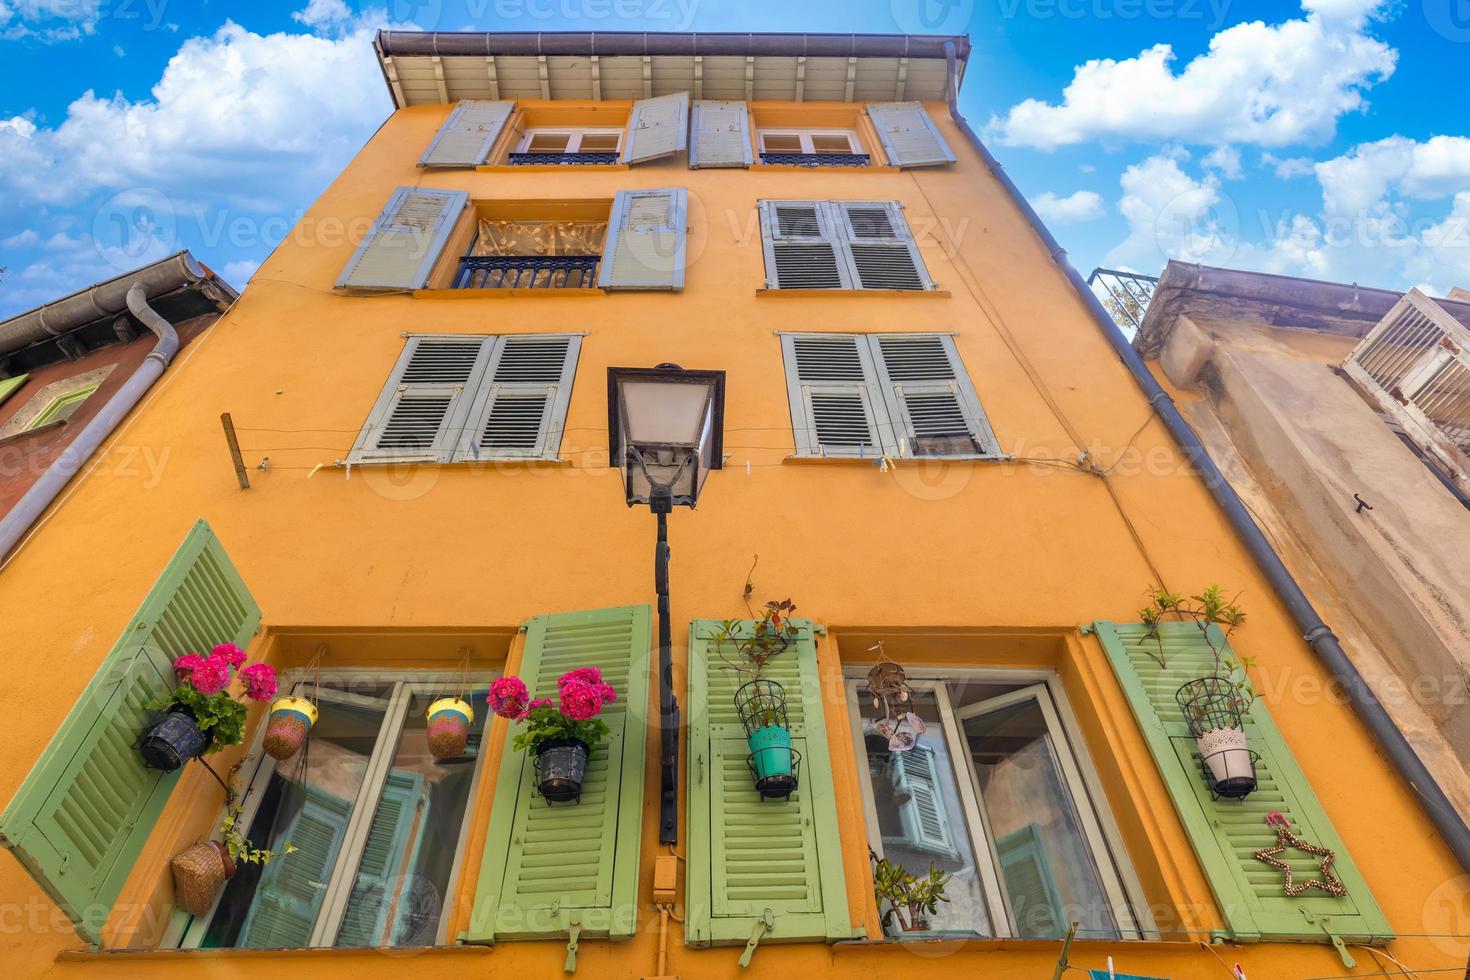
(765, 924)
(574, 932)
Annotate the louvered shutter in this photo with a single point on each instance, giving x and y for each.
(401, 247)
(292, 887)
(81, 817)
(657, 127)
(908, 134)
(547, 868)
(423, 410)
(468, 134)
(378, 872)
(721, 135)
(1031, 886)
(921, 808)
(521, 409)
(803, 249)
(1226, 833)
(644, 248)
(747, 856)
(880, 251)
(837, 408)
(931, 402)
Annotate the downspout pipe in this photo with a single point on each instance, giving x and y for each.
(1318, 635)
(46, 489)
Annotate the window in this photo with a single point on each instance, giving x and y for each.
(376, 821)
(62, 407)
(896, 395)
(840, 245)
(549, 141)
(463, 397)
(993, 793)
(812, 147)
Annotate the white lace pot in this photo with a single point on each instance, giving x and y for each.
(1229, 760)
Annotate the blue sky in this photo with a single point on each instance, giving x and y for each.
(1326, 139)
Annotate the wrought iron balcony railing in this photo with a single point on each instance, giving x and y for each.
(817, 159)
(562, 159)
(527, 271)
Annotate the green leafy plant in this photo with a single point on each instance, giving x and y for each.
(240, 847)
(909, 896)
(204, 692)
(1209, 608)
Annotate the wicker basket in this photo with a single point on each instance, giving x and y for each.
(200, 871)
(290, 722)
(449, 721)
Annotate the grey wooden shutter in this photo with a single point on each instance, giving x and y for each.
(835, 406)
(521, 409)
(921, 809)
(644, 247)
(423, 408)
(880, 251)
(400, 249)
(657, 127)
(468, 134)
(909, 136)
(721, 135)
(803, 248)
(933, 406)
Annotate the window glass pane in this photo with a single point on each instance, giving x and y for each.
(830, 145)
(599, 142)
(1045, 865)
(308, 802)
(920, 815)
(781, 143)
(548, 143)
(402, 882)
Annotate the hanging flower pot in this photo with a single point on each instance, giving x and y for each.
(172, 741)
(290, 722)
(449, 727)
(561, 765)
(761, 705)
(200, 871)
(1213, 709)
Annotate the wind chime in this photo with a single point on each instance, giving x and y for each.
(888, 685)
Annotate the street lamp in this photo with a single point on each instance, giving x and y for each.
(665, 432)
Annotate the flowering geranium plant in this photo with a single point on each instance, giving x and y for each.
(581, 694)
(204, 691)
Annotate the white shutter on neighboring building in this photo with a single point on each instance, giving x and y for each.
(401, 247)
(468, 134)
(909, 136)
(879, 248)
(644, 246)
(836, 405)
(424, 407)
(803, 246)
(521, 409)
(721, 135)
(930, 400)
(657, 127)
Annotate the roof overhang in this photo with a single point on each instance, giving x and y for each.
(423, 68)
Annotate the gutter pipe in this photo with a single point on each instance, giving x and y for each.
(45, 490)
(1318, 635)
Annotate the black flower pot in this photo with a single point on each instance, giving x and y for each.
(561, 765)
(173, 741)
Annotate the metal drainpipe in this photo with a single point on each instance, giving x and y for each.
(31, 506)
(1317, 634)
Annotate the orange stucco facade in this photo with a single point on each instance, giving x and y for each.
(959, 563)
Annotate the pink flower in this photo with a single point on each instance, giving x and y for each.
(232, 654)
(508, 697)
(539, 703)
(187, 663)
(211, 675)
(606, 693)
(589, 675)
(580, 700)
(260, 681)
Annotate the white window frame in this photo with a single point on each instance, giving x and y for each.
(854, 142)
(1103, 836)
(405, 684)
(574, 136)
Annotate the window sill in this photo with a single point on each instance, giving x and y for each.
(886, 293)
(144, 955)
(939, 943)
(539, 292)
(901, 460)
(38, 430)
(872, 168)
(522, 168)
(530, 462)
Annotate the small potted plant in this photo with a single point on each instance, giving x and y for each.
(761, 703)
(201, 715)
(910, 897)
(563, 733)
(1216, 704)
(201, 869)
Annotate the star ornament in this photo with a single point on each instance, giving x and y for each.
(1285, 839)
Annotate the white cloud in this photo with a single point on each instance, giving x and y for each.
(1225, 160)
(1258, 84)
(24, 239)
(49, 20)
(237, 274)
(1078, 206)
(1289, 168)
(1171, 215)
(324, 14)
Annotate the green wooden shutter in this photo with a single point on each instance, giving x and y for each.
(293, 885)
(9, 386)
(925, 820)
(748, 857)
(81, 817)
(1226, 833)
(549, 868)
(1030, 884)
(382, 856)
